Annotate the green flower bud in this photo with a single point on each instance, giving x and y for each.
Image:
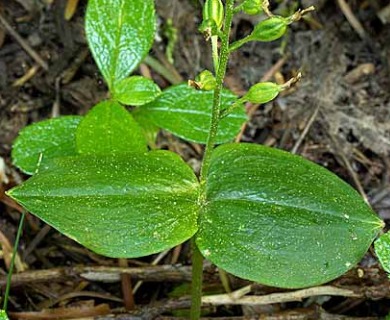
(204, 81)
(252, 7)
(213, 10)
(208, 28)
(262, 92)
(270, 29)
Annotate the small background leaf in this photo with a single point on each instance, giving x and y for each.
(52, 138)
(382, 249)
(280, 220)
(186, 112)
(119, 206)
(136, 91)
(120, 33)
(3, 315)
(109, 128)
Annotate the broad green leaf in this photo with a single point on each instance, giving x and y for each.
(136, 91)
(280, 220)
(3, 315)
(186, 112)
(119, 206)
(120, 33)
(51, 138)
(149, 129)
(109, 128)
(382, 249)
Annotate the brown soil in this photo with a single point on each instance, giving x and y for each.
(338, 116)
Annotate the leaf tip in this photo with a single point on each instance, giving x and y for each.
(13, 193)
(8, 192)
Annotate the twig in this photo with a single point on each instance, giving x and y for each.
(10, 203)
(168, 74)
(305, 130)
(33, 54)
(55, 109)
(359, 72)
(37, 239)
(154, 263)
(295, 314)
(70, 9)
(177, 250)
(352, 172)
(68, 74)
(225, 299)
(63, 313)
(3, 176)
(270, 73)
(85, 294)
(154, 312)
(253, 107)
(26, 77)
(353, 21)
(102, 273)
(369, 283)
(384, 14)
(127, 287)
(145, 71)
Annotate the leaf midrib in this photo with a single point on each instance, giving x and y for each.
(286, 205)
(117, 46)
(190, 190)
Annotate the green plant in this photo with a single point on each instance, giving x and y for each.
(382, 249)
(3, 311)
(259, 213)
(3, 315)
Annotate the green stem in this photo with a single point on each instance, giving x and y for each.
(223, 60)
(197, 280)
(11, 268)
(237, 44)
(214, 46)
(225, 112)
(197, 259)
(238, 8)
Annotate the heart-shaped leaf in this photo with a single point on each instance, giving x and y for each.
(280, 220)
(118, 206)
(186, 112)
(109, 128)
(136, 91)
(51, 138)
(120, 34)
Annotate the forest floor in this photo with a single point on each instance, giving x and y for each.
(337, 116)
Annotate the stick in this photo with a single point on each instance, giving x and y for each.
(226, 299)
(33, 54)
